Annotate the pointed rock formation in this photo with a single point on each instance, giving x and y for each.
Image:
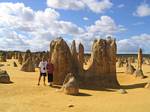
(37, 61)
(130, 69)
(61, 57)
(120, 63)
(81, 56)
(139, 71)
(101, 71)
(28, 66)
(9, 55)
(16, 55)
(4, 77)
(140, 59)
(74, 58)
(15, 64)
(26, 55)
(3, 57)
(20, 59)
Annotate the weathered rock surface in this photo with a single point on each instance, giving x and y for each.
(102, 69)
(62, 59)
(140, 59)
(81, 56)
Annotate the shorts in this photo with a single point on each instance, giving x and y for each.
(43, 74)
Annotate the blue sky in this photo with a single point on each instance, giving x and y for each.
(83, 20)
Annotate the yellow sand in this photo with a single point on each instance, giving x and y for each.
(25, 96)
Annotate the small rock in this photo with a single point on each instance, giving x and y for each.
(139, 73)
(130, 69)
(1, 65)
(15, 64)
(70, 105)
(122, 91)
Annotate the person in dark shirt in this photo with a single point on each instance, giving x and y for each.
(50, 70)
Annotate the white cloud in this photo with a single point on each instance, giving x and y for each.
(18, 9)
(23, 28)
(102, 28)
(121, 6)
(142, 10)
(85, 18)
(132, 44)
(37, 27)
(47, 16)
(69, 28)
(94, 5)
(66, 4)
(105, 25)
(11, 41)
(98, 6)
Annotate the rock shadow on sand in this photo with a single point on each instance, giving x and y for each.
(133, 86)
(10, 82)
(79, 94)
(100, 89)
(82, 94)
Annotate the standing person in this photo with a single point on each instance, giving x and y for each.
(42, 67)
(50, 70)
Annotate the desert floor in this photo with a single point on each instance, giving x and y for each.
(23, 95)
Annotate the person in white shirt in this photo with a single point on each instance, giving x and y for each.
(42, 67)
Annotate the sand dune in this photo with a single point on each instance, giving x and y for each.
(23, 95)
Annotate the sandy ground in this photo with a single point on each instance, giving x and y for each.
(23, 95)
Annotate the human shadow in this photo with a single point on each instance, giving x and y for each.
(133, 86)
